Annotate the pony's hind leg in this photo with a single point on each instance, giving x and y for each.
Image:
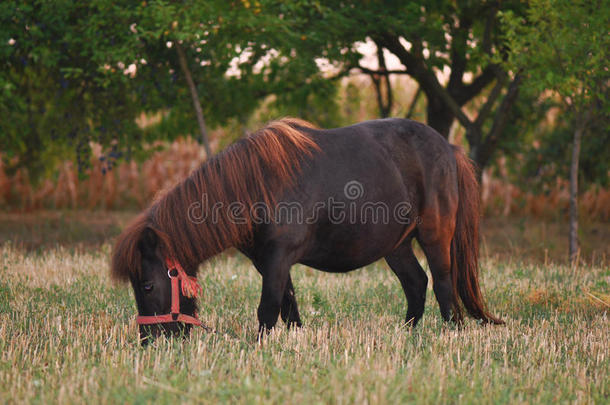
(289, 309)
(412, 277)
(438, 254)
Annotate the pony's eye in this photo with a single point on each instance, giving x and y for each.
(147, 287)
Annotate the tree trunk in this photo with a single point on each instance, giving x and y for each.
(439, 115)
(411, 109)
(195, 96)
(383, 87)
(580, 125)
(482, 147)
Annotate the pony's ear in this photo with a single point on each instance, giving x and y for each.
(149, 240)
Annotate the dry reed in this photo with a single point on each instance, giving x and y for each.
(133, 185)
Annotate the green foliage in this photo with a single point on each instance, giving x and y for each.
(461, 41)
(446, 29)
(563, 48)
(55, 88)
(76, 72)
(546, 159)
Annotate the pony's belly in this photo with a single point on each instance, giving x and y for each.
(342, 251)
(338, 266)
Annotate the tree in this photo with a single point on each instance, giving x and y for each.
(563, 47)
(460, 40)
(76, 72)
(55, 88)
(203, 40)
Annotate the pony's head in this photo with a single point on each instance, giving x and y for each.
(141, 257)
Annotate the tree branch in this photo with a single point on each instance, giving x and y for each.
(427, 79)
(195, 98)
(483, 152)
(375, 79)
(489, 23)
(386, 107)
(491, 100)
(470, 91)
(458, 55)
(411, 62)
(383, 72)
(411, 109)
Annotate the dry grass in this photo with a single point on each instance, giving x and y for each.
(542, 241)
(68, 335)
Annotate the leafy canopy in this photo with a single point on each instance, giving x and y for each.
(76, 72)
(563, 46)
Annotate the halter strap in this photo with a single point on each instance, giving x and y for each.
(190, 288)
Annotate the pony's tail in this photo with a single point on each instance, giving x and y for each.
(465, 245)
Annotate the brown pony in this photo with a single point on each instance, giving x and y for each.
(335, 200)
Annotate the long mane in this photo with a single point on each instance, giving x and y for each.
(254, 170)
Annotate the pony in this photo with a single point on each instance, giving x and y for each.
(332, 199)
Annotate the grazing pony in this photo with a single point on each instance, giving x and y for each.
(335, 200)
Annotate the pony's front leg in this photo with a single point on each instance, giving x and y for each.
(290, 309)
(272, 294)
(275, 272)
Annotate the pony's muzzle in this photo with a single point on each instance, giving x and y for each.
(148, 333)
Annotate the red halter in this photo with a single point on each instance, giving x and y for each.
(190, 288)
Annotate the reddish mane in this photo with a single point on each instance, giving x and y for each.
(253, 170)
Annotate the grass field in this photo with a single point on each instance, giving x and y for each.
(68, 335)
